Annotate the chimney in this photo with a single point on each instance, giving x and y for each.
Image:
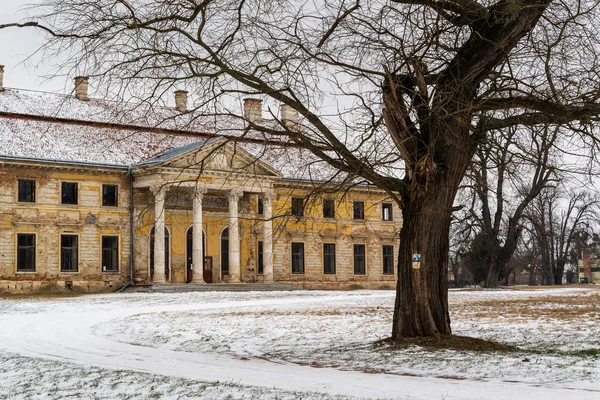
(253, 109)
(181, 99)
(289, 117)
(1, 77)
(81, 87)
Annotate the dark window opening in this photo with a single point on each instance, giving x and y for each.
(225, 251)
(388, 260)
(297, 258)
(359, 259)
(68, 193)
(110, 194)
(26, 191)
(328, 208)
(298, 206)
(26, 252)
(261, 207)
(329, 258)
(110, 253)
(69, 258)
(260, 255)
(386, 212)
(359, 210)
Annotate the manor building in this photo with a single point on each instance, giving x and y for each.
(90, 204)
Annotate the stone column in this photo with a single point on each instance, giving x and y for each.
(159, 233)
(197, 240)
(268, 237)
(234, 237)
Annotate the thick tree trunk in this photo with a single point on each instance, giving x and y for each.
(559, 271)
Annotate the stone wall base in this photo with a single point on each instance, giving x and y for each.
(57, 287)
(390, 285)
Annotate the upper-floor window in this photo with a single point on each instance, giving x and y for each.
(359, 210)
(297, 258)
(386, 212)
(329, 258)
(110, 253)
(68, 193)
(27, 190)
(110, 195)
(328, 208)
(260, 207)
(26, 252)
(298, 206)
(69, 253)
(388, 260)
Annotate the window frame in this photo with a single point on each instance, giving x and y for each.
(260, 206)
(364, 258)
(116, 199)
(33, 191)
(334, 261)
(389, 207)
(361, 210)
(389, 256)
(297, 207)
(76, 253)
(34, 248)
(331, 208)
(62, 191)
(116, 249)
(294, 257)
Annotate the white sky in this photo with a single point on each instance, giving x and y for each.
(16, 45)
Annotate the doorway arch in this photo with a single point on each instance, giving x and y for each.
(167, 254)
(189, 243)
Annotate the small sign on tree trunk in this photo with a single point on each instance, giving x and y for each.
(416, 261)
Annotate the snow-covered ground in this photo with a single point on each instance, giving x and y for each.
(309, 345)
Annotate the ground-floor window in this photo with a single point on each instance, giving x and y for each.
(26, 252)
(69, 254)
(259, 257)
(110, 253)
(388, 260)
(297, 258)
(359, 259)
(329, 258)
(225, 251)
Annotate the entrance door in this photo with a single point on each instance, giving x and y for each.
(189, 259)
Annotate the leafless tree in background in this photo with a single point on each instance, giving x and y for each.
(426, 81)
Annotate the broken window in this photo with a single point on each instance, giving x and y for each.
(26, 191)
(359, 210)
(329, 258)
(26, 252)
(328, 208)
(110, 253)
(110, 194)
(297, 258)
(68, 193)
(386, 212)
(359, 259)
(388, 260)
(69, 257)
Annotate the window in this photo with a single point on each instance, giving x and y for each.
(110, 253)
(329, 258)
(298, 206)
(261, 265)
(386, 212)
(25, 252)
(359, 259)
(68, 253)
(328, 208)
(26, 191)
(297, 258)
(225, 251)
(110, 195)
(68, 193)
(359, 210)
(261, 207)
(388, 260)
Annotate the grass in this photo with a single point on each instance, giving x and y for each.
(449, 342)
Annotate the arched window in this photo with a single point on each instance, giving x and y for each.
(225, 251)
(167, 253)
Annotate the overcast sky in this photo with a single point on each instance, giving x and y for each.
(16, 45)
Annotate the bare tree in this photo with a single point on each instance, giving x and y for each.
(435, 73)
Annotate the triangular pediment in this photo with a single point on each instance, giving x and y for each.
(220, 155)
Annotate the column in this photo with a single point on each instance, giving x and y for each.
(197, 254)
(268, 237)
(234, 237)
(159, 233)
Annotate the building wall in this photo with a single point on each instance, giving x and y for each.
(47, 218)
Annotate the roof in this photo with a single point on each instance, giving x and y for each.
(29, 139)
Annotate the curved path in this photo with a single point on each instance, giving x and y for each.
(67, 336)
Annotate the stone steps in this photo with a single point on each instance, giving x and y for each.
(210, 287)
